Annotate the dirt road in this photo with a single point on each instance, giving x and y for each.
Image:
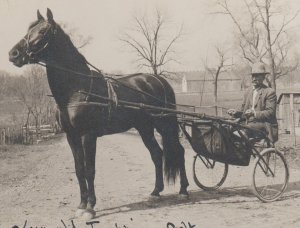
(39, 185)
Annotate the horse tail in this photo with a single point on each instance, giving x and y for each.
(169, 129)
(173, 151)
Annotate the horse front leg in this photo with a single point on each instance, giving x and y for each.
(89, 147)
(75, 143)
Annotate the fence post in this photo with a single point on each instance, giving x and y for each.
(22, 133)
(4, 136)
(8, 136)
(12, 137)
(293, 118)
(221, 109)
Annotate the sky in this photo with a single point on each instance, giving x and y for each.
(105, 20)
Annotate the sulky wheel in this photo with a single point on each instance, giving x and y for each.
(209, 174)
(270, 178)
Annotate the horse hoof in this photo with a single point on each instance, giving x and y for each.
(79, 212)
(154, 198)
(183, 196)
(155, 195)
(155, 192)
(88, 215)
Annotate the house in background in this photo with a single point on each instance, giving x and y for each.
(196, 88)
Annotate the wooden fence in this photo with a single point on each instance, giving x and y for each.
(26, 134)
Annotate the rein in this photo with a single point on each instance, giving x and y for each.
(107, 78)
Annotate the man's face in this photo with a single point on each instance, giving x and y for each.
(257, 80)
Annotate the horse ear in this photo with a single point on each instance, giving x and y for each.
(39, 16)
(49, 15)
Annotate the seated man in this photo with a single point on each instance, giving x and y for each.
(259, 105)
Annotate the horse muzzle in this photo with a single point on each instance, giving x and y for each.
(17, 58)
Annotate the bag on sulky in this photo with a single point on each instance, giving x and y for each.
(216, 141)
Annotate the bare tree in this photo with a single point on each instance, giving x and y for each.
(6, 81)
(215, 72)
(150, 42)
(265, 37)
(80, 41)
(3, 85)
(32, 90)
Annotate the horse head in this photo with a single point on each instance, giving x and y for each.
(33, 46)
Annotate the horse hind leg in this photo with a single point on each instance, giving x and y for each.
(173, 153)
(147, 134)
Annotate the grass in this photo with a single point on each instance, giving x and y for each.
(9, 151)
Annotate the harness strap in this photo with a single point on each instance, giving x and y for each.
(112, 98)
(164, 88)
(112, 93)
(90, 88)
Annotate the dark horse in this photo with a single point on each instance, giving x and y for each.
(77, 94)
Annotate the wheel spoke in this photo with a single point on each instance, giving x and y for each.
(270, 175)
(268, 190)
(209, 174)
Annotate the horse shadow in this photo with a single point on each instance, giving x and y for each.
(230, 195)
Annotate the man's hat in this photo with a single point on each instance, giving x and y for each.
(259, 68)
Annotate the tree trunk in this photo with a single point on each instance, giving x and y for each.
(270, 52)
(216, 95)
(272, 63)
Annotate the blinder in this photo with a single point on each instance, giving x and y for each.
(48, 35)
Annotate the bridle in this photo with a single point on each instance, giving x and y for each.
(51, 31)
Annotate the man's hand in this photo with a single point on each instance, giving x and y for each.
(248, 113)
(231, 112)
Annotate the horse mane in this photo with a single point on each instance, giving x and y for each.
(70, 45)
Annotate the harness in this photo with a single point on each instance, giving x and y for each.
(112, 95)
(112, 99)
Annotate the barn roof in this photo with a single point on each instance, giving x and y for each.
(287, 91)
